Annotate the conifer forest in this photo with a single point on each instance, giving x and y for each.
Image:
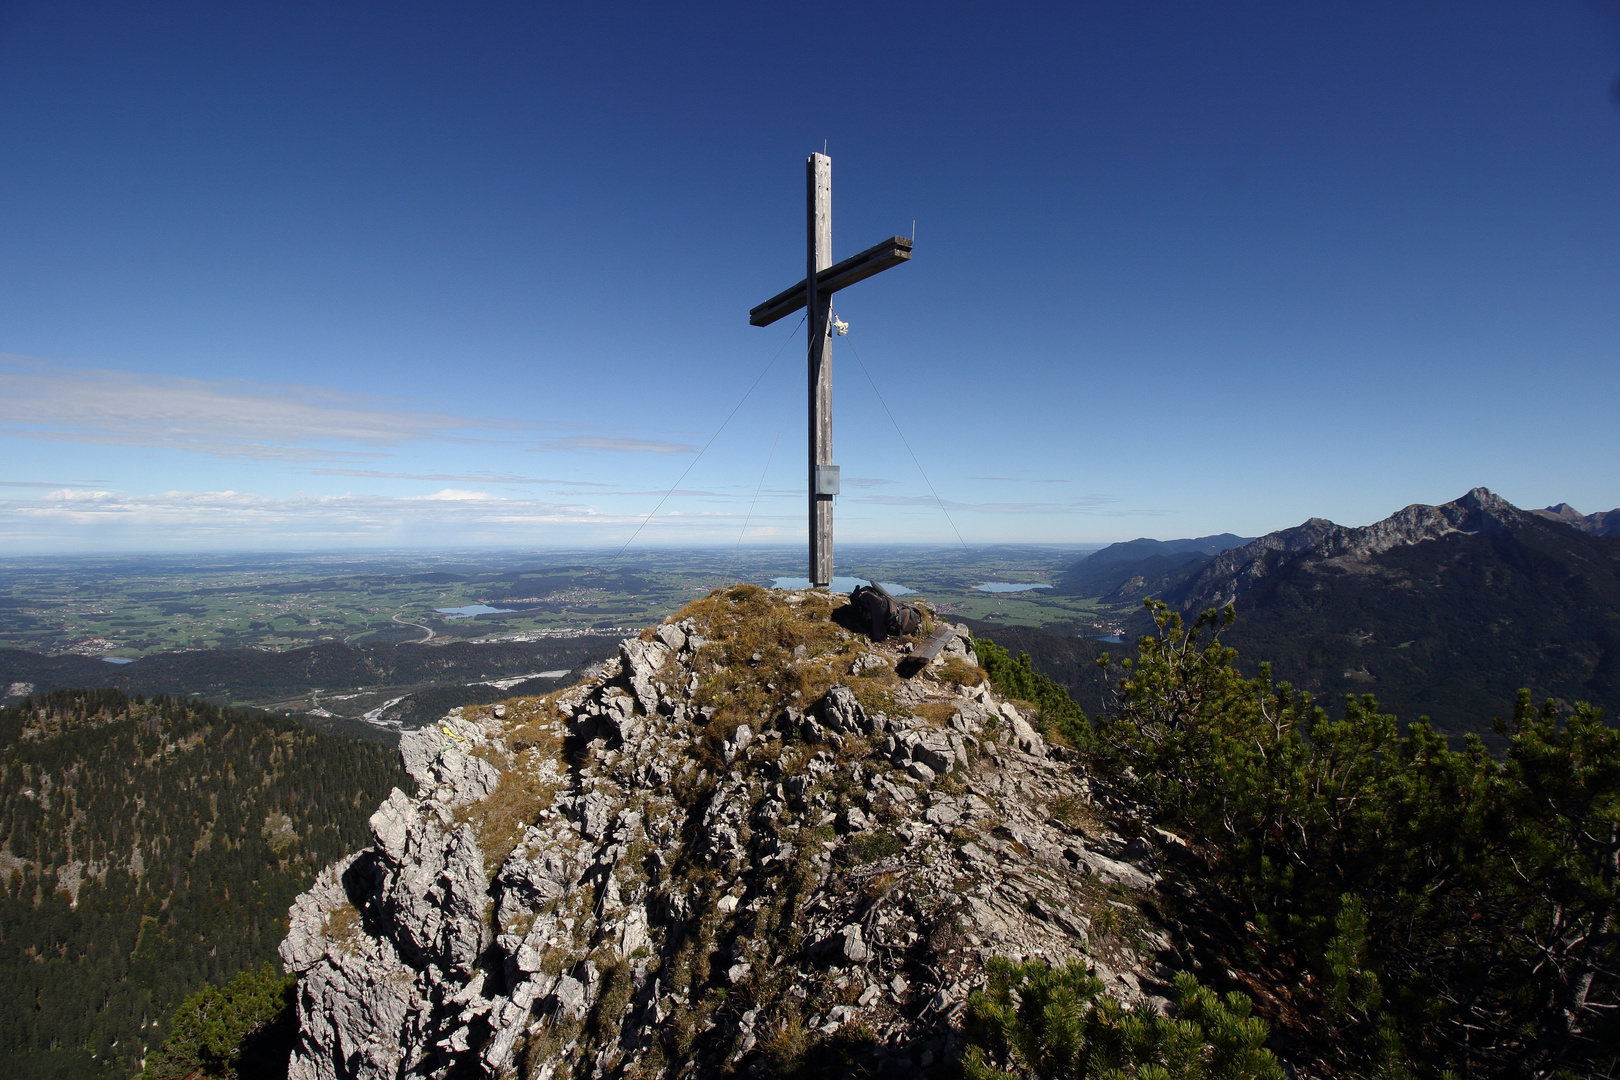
(149, 849)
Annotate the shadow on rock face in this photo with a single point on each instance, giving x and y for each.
(267, 1050)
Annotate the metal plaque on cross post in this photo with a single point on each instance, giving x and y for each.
(822, 278)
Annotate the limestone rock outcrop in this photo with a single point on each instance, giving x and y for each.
(746, 842)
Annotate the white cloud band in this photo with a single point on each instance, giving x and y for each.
(59, 403)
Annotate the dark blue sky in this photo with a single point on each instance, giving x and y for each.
(340, 274)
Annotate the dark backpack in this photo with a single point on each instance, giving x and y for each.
(884, 613)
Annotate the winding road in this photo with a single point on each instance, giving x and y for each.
(428, 630)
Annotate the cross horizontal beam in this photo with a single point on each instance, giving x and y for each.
(874, 260)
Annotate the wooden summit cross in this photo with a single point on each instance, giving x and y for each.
(821, 280)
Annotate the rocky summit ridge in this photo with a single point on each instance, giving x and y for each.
(1602, 523)
(746, 845)
(1320, 541)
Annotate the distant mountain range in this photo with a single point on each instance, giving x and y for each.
(1143, 567)
(1602, 523)
(1444, 611)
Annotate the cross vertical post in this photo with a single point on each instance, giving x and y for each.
(822, 278)
(818, 257)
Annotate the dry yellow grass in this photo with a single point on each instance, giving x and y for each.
(762, 653)
(343, 926)
(1076, 813)
(961, 673)
(499, 820)
(533, 733)
(764, 650)
(785, 1044)
(937, 713)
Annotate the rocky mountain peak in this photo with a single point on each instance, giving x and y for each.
(1484, 501)
(1234, 572)
(749, 844)
(1602, 523)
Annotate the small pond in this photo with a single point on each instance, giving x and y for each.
(467, 611)
(839, 584)
(116, 660)
(1009, 586)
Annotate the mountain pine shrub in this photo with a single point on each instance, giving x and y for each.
(1429, 908)
(244, 1030)
(1016, 677)
(1036, 1022)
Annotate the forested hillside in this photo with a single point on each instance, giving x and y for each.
(1061, 655)
(1443, 612)
(1139, 567)
(256, 676)
(149, 848)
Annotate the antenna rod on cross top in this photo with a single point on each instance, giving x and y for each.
(823, 278)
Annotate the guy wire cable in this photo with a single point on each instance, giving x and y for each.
(761, 487)
(909, 450)
(725, 577)
(706, 445)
